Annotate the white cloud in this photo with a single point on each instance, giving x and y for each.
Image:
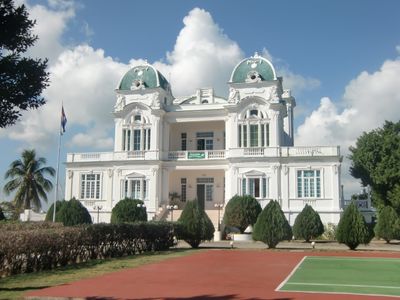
(50, 25)
(296, 82)
(96, 140)
(369, 100)
(203, 56)
(84, 78)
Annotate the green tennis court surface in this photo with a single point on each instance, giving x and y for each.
(371, 276)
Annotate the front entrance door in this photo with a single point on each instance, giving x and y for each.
(201, 195)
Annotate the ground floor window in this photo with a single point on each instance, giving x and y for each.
(90, 186)
(135, 189)
(183, 189)
(309, 183)
(255, 186)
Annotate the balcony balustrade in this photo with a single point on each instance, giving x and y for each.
(205, 154)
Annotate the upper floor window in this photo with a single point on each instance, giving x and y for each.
(253, 130)
(90, 186)
(308, 183)
(183, 141)
(137, 134)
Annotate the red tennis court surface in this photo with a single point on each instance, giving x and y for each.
(213, 274)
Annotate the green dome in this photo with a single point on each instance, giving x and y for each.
(145, 76)
(253, 69)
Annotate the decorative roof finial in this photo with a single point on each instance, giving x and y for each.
(256, 54)
(146, 62)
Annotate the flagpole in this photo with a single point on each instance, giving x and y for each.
(62, 129)
(57, 173)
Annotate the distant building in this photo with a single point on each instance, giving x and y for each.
(171, 150)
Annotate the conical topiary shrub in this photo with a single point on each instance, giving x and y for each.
(352, 229)
(194, 225)
(388, 225)
(308, 224)
(128, 210)
(241, 211)
(49, 214)
(72, 213)
(271, 226)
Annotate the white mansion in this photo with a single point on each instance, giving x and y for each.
(171, 150)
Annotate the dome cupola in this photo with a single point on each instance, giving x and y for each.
(253, 69)
(143, 77)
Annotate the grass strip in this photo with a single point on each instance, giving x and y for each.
(14, 287)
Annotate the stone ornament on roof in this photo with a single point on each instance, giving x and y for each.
(233, 96)
(120, 103)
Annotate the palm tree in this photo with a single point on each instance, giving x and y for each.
(27, 178)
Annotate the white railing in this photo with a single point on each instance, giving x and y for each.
(112, 156)
(206, 154)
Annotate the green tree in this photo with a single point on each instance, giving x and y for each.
(352, 229)
(241, 211)
(194, 225)
(27, 178)
(308, 224)
(72, 213)
(271, 226)
(22, 78)
(388, 225)
(376, 160)
(128, 211)
(49, 214)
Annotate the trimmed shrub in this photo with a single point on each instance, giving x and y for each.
(388, 225)
(72, 213)
(308, 224)
(194, 225)
(271, 226)
(18, 225)
(30, 250)
(241, 211)
(2, 217)
(49, 214)
(352, 229)
(127, 211)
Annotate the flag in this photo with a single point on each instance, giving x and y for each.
(63, 120)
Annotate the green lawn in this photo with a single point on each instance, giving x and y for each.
(380, 276)
(14, 287)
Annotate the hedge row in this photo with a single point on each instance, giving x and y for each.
(32, 250)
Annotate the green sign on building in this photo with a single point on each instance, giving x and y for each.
(196, 155)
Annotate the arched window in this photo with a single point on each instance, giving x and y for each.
(136, 133)
(253, 129)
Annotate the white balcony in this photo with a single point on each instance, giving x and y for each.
(205, 154)
(196, 154)
(112, 156)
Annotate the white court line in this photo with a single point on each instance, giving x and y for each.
(391, 259)
(346, 285)
(291, 273)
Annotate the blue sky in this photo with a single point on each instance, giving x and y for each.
(340, 58)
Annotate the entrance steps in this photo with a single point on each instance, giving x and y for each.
(212, 214)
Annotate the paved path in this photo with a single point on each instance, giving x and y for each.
(214, 274)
